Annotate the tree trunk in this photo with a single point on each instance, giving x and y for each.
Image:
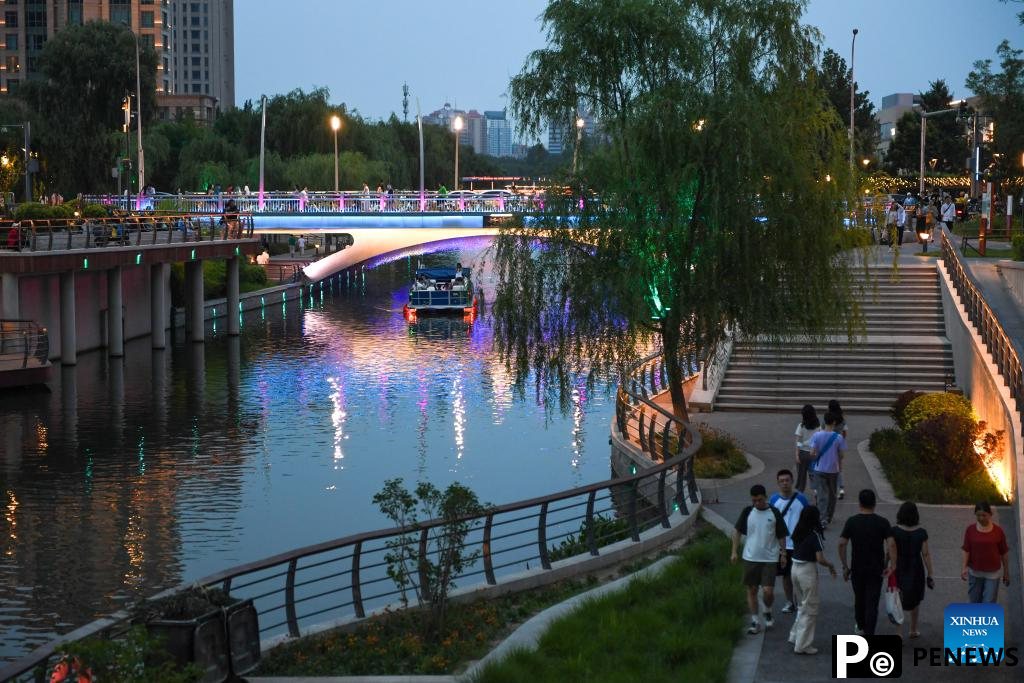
(670, 355)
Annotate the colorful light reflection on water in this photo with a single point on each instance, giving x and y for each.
(131, 477)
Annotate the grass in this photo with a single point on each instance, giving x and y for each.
(720, 455)
(911, 481)
(393, 643)
(681, 625)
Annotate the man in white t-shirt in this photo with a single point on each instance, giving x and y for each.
(948, 212)
(790, 503)
(763, 553)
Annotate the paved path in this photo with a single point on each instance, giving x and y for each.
(999, 299)
(768, 436)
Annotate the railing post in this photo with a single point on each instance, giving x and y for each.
(640, 432)
(591, 534)
(680, 483)
(652, 434)
(357, 590)
(634, 527)
(226, 586)
(424, 575)
(661, 499)
(49, 242)
(542, 536)
(488, 559)
(289, 599)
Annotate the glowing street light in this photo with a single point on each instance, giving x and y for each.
(457, 127)
(580, 124)
(335, 125)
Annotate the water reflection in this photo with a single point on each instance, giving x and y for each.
(139, 473)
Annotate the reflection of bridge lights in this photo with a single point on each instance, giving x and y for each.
(12, 522)
(133, 545)
(41, 436)
(459, 412)
(578, 415)
(338, 416)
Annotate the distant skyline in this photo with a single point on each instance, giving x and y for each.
(465, 51)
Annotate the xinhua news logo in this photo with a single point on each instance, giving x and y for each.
(973, 633)
(867, 657)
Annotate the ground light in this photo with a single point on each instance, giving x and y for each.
(923, 234)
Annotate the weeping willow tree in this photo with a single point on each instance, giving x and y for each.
(719, 187)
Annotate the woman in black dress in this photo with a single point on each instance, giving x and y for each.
(912, 558)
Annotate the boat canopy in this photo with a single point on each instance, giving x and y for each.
(441, 274)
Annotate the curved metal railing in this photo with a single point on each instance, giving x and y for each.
(123, 231)
(334, 202)
(999, 343)
(347, 577)
(23, 344)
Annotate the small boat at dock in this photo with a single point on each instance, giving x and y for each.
(441, 290)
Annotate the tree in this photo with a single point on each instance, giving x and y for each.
(86, 72)
(1002, 96)
(834, 76)
(944, 141)
(722, 197)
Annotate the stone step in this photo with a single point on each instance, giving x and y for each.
(867, 374)
(866, 407)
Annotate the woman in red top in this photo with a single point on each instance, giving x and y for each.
(986, 557)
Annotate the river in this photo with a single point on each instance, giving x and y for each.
(132, 475)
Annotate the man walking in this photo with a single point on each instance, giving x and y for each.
(790, 503)
(874, 558)
(948, 212)
(763, 553)
(827, 448)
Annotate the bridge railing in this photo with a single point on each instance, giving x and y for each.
(23, 344)
(122, 231)
(331, 202)
(999, 343)
(347, 577)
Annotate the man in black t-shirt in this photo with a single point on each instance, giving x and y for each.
(874, 557)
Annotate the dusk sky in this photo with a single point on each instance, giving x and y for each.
(464, 51)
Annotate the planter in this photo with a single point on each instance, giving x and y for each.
(223, 642)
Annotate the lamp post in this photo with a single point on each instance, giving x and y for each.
(580, 124)
(923, 234)
(457, 127)
(263, 144)
(335, 125)
(138, 124)
(853, 88)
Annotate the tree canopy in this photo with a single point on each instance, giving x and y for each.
(944, 138)
(722, 188)
(1002, 96)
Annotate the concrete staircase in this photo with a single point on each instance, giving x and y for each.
(904, 347)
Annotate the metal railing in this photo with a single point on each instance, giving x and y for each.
(332, 202)
(347, 577)
(23, 344)
(122, 231)
(999, 343)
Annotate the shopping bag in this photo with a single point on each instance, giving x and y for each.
(893, 603)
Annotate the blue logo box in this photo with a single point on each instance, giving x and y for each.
(974, 625)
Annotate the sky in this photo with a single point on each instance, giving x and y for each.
(465, 51)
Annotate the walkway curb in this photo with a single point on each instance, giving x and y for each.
(879, 482)
(746, 656)
(756, 468)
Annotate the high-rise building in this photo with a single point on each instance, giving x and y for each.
(474, 126)
(556, 139)
(499, 134)
(180, 31)
(893, 107)
(203, 49)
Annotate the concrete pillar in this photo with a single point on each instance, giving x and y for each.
(115, 313)
(158, 305)
(194, 306)
(68, 329)
(231, 277)
(11, 304)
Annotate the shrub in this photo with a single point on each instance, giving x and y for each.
(899, 406)
(946, 446)
(1017, 245)
(94, 211)
(885, 440)
(167, 206)
(936, 405)
(606, 531)
(37, 211)
(720, 455)
(136, 656)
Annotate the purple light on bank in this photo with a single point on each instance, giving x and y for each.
(423, 203)
(462, 203)
(259, 202)
(501, 204)
(341, 202)
(302, 203)
(381, 204)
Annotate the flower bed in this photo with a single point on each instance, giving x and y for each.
(720, 455)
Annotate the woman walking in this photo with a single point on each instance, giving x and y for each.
(912, 559)
(985, 549)
(836, 409)
(808, 427)
(808, 552)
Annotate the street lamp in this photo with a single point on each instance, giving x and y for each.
(923, 234)
(263, 145)
(457, 127)
(335, 125)
(853, 88)
(580, 124)
(866, 162)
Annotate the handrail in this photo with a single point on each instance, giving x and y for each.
(61, 234)
(482, 201)
(999, 343)
(22, 341)
(509, 537)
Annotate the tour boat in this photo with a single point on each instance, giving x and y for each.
(441, 290)
(24, 354)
